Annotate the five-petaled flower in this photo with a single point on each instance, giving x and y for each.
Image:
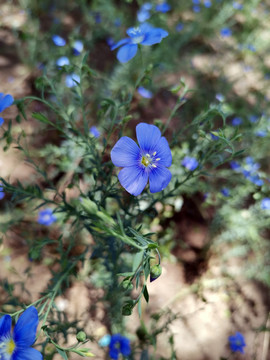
(237, 342)
(149, 160)
(190, 163)
(265, 204)
(58, 40)
(145, 34)
(5, 102)
(17, 346)
(46, 217)
(119, 345)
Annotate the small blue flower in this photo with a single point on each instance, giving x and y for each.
(110, 42)
(46, 217)
(149, 160)
(97, 17)
(179, 27)
(5, 102)
(236, 121)
(261, 133)
(72, 80)
(207, 3)
(225, 191)
(119, 345)
(94, 131)
(144, 92)
(144, 13)
(225, 32)
(234, 165)
(145, 34)
(220, 97)
(2, 194)
(77, 47)
(253, 118)
(237, 5)
(190, 163)
(163, 7)
(251, 47)
(196, 8)
(265, 204)
(17, 346)
(62, 61)
(58, 40)
(214, 137)
(196, 2)
(237, 342)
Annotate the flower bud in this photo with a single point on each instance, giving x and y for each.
(155, 272)
(81, 336)
(127, 310)
(89, 206)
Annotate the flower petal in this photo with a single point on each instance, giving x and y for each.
(25, 330)
(127, 52)
(154, 36)
(133, 179)
(159, 178)
(5, 326)
(1, 121)
(148, 136)
(5, 101)
(163, 152)
(120, 43)
(26, 354)
(125, 152)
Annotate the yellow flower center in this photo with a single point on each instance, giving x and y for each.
(149, 160)
(10, 346)
(146, 160)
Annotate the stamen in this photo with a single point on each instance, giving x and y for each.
(154, 153)
(157, 159)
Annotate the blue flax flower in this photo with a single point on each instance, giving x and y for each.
(225, 192)
(265, 204)
(5, 102)
(2, 194)
(77, 47)
(190, 163)
(207, 3)
(163, 7)
(144, 13)
(196, 8)
(17, 346)
(220, 97)
(236, 121)
(179, 27)
(237, 342)
(72, 80)
(237, 5)
(149, 160)
(46, 217)
(145, 34)
(261, 133)
(58, 40)
(119, 345)
(62, 61)
(144, 92)
(94, 131)
(225, 32)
